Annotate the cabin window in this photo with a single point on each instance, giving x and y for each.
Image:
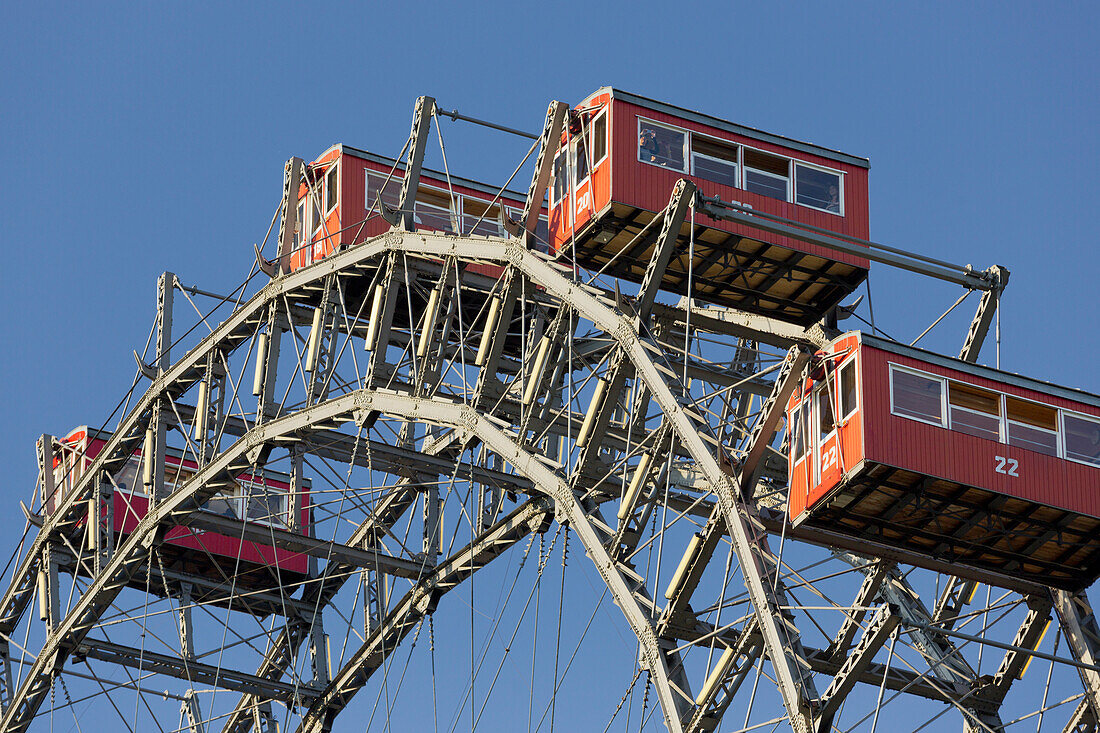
(265, 504)
(391, 194)
(975, 411)
(818, 189)
(472, 210)
(714, 161)
(432, 210)
(916, 396)
(1082, 439)
(849, 397)
(1032, 426)
(599, 139)
(300, 225)
(659, 145)
(767, 175)
(557, 193)
(332, 183)
(798, 435)
(542, 229)
(580, 160)
(825, 421)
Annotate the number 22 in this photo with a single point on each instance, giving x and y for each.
(1012, 465)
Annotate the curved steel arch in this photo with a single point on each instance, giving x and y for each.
(734, 512)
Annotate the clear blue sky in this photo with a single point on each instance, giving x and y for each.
(142, 138)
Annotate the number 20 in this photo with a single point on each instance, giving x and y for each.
(1012, 465)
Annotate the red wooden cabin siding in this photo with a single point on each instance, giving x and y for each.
(347, 225)
(131, 507)
(939, 452)
(649, 187)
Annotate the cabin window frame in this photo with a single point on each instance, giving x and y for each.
(797, 428)
(685, 150)
(853, 362)
(244, 496)
(606, 117)
(1062, 445)
(1002, 415)
(562, 156)
(737, 164)
(789, 178)
(894, 367)
(455, 209)
(1006, 426)
(367, 173)
(824, 169)
(332, 199)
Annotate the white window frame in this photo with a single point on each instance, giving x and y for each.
(564, 154)
(801, 421)
(1062, 449)
(367, 173)
(335, 199)
(242, 504)
(943, 394)
(736, 168)
(1057, 432)
(842, 420)
(455, 211)
(1002, 417)
(607, 145)
(823, 169)
(686, 149)
(746, 168)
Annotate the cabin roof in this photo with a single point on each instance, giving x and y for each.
(997, 375)
(750, 132)
(441, 175)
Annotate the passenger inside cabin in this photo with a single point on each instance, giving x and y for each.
(833, 204)
(647, 145)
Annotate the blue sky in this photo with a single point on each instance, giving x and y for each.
(138, 139)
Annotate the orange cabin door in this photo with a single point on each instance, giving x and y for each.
(826, 454)
(582, 186)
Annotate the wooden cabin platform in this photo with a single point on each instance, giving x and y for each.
(728, 269)
(953, 522)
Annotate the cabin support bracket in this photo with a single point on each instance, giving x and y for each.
(1083, 636)
(209, 403)
(987, 309)
(153, 477)
(190, 712)
(290, 226)
(548, 148)
(410, 182)
(683, 195)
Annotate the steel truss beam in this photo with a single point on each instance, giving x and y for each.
(194, 672)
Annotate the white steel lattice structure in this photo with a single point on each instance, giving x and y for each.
(447, 418)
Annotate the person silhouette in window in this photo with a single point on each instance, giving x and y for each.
(647, 145)
(833, 202)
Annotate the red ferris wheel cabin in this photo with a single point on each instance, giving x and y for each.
(261, 498)
(338, 203)
(948, 460)
(620, 160)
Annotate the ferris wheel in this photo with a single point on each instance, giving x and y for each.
(464, 457)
